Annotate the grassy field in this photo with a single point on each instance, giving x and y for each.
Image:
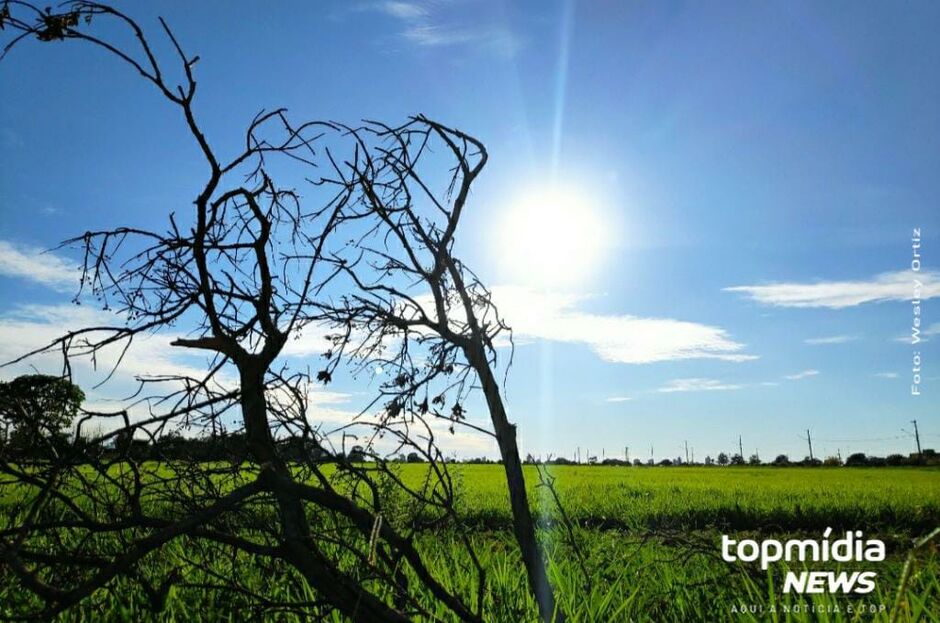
(741, 498)
(650, 539)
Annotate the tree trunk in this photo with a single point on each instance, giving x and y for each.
(522, 522)
(340, 590)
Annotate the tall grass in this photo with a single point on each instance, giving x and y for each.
(649, 538)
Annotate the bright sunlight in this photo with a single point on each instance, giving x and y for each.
(552, 236)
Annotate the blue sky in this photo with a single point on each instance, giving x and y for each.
(756, 170)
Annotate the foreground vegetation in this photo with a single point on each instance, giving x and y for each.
(647, 537)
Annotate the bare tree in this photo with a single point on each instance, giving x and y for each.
(417, 310)
(246, 268)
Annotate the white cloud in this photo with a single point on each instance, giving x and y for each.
(492, 38)
(33, 264)
(833, 339)
(360, 428)
(308, 342)
(30, 327)
(894, 286)
(805, 374)
(886, 375)
(696, 385)
(619, 398)
(320, 397)
(924, 336)
(614, 338)
(403, 10)
(446, 25)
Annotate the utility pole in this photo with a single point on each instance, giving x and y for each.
(577, 455)
(686, 451)
(916, 436)
(740, 448)
(651, 453)
(809, 441)
(626, 453)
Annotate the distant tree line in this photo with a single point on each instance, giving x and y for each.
(927, 457)
(37, 411)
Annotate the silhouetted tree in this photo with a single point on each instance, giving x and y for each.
(857, 459)
(356, 455)
(418, 311)
(36, 412)
(247, 267)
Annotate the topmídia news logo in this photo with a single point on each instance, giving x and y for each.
(851, 548)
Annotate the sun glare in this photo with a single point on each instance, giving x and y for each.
(552, 236)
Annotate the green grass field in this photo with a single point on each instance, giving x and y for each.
(741, 498)
(650, 540)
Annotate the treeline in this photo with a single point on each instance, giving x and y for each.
(230, 447)
(859, 459)
(36, 411)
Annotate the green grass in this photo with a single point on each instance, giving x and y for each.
(738, 498)
(649, 537)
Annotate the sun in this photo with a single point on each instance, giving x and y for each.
(552, 236)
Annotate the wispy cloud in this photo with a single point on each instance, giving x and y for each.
(886, 375)
(706, 384)
(492, 38)
(894, 286)
(614, 338)
(427, 24)
(832, 339)
(403, 10)
(30, 327)
(805, 374)
(33, 264)
(697, 385)
(924, 336)
(619, 398)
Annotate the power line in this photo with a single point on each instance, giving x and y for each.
(860, 440)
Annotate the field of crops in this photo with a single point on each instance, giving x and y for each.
(739, 498)
(649, 538)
